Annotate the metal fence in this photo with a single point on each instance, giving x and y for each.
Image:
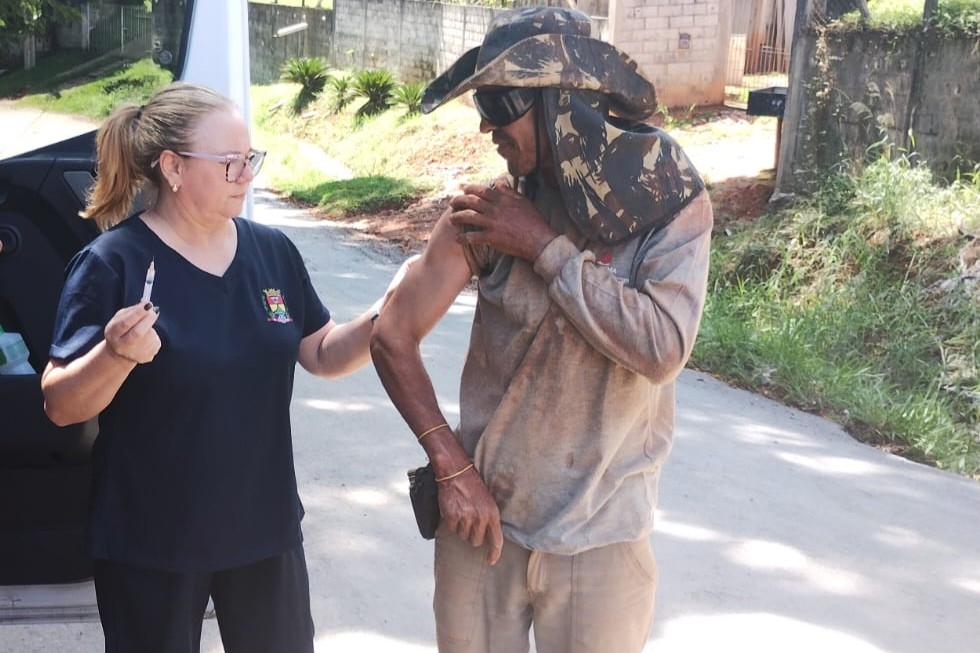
(759, 47)
(109, 27)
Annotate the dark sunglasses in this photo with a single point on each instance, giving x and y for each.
(500, 107)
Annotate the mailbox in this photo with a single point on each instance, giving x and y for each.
(767, 101)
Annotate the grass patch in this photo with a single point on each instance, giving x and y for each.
(857, 306)
(45, 76)
(358, 195)
(119, 81)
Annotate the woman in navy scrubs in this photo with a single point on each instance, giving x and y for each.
(191, 374)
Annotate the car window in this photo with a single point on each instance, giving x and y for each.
(61, 73)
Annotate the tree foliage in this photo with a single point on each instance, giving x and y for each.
(20, 18)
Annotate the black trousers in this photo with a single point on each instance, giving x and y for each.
(263, 607)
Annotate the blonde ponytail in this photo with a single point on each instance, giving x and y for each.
(118, 176)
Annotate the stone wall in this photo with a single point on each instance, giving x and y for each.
(860, 88)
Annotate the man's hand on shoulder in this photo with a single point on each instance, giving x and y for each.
(502, 218)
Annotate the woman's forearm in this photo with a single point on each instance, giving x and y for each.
(78, 391)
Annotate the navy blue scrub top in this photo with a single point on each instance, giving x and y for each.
(194, 462)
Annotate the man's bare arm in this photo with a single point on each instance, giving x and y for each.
(424, 296)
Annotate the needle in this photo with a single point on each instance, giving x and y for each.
(148, 284)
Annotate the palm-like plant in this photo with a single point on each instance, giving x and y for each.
(341, 91)
(409, 96)
(311, 74)
(376, 86)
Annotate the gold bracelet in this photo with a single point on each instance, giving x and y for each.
(428, 431)
(455, 474)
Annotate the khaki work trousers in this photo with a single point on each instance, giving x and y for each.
(592, 602)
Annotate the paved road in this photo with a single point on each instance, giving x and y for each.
(25, 128)
(776, 532)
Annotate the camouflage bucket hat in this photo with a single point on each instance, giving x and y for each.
(619, 177)
(546, 47)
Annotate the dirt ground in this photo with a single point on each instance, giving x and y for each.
(734, 153)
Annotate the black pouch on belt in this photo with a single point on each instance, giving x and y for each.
(424, 493)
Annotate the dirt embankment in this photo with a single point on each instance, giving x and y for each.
(734, 153)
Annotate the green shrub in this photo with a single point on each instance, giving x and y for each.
(409, 96)
(958, 15)
(341, 92)
(310, 74)
(376, 87)
(950, 15)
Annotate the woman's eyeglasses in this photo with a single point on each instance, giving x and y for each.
(234, 163)
(500, 107)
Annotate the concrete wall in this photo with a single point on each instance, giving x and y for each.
(414, 40)
(681, 45)
(417, 40)
(268, 51)
(861, 87)
(946, 124)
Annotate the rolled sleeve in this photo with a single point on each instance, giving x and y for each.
(555, 255)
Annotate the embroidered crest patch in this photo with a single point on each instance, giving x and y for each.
(275, 306)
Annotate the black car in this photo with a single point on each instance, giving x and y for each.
(44, 469)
